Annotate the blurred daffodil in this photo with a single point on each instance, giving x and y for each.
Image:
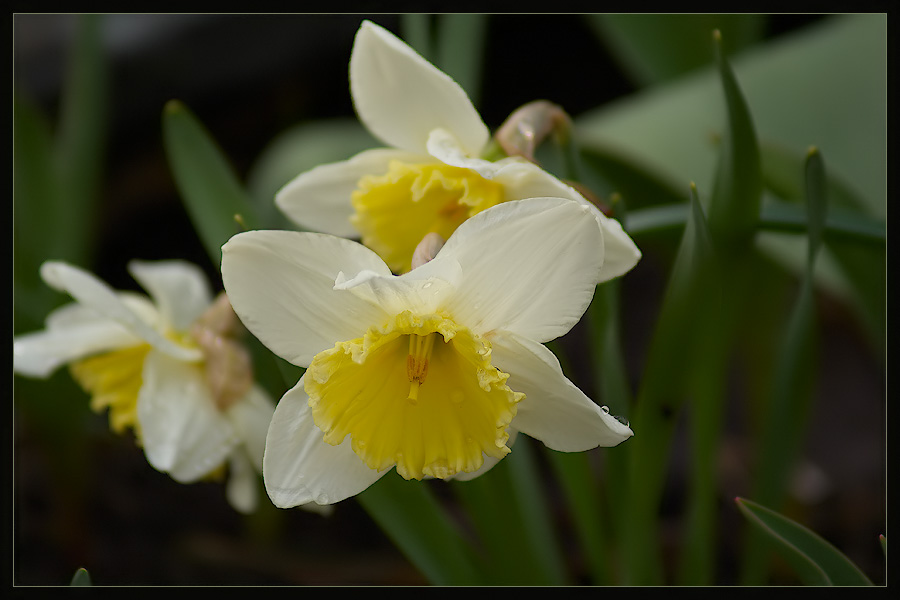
(432, 176)
(167, 366)
(432, 371)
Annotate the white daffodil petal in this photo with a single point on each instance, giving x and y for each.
(180, 289)
(183, 432)
(621, 253)
(421, 290)
(445, 147)
(242, 484)
(529, 266)
(401, 97)
(281, 285)
(522, 179)
(94, 293)
(319, 199)
(250, 417)
(299, 467)
(40, 353)
(554, 410)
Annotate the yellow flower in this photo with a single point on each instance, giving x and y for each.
(433, 371)
(430, 178)
(166, 366)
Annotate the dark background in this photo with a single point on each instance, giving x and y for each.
(247, 78)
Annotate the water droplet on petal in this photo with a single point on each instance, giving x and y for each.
(622, 420)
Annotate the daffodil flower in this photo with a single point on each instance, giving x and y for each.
(167, 366)
(432, 176)
(433, 371)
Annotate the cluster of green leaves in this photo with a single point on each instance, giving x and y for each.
(749, 197)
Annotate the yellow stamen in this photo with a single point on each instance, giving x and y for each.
(396, 210)
(417, 362)
(429, 408)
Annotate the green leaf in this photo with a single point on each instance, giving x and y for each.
(80, 144)
(786, 413)
(57, 179)
(783, 175)
(508, 509)
(655, 48)
(789, 83)
(584, 500)
(460, 50)
(34, 201)
(737, 193)
(415, 30)
(816, 561)
(214, 197)
(609, 170)
(414, 520)
(81, 578)
(297, 150)
(691, 290)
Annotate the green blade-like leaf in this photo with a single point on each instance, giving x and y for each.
(297, 150)
(460, 50)
(690, 291)
(35, 196)
(816, 561)
(817, 207)
(214, 197)
(608, 170)
(415, 29)
(533, 504)
(655, 48)
(81, 578)
(507, 508)
(787, 409)
(737, 193)
(80, 144)
(585, 502)
(789, 82)
(412, 517)
(783, 175)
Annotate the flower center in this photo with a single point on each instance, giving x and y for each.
(114, 380)
(419, 393)
(396, 210)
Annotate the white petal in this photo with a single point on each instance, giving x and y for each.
(319, 199)
(621, 252)
(528, 266)
(281, 285)
(421, 290)
(445, 147)
(401, 97)
(184, 434)
(250, 418)
(180, 289)
(554, 410)
(94, 293)
(243, 482)
(73, 332)
(522, 179)
(299, 467)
